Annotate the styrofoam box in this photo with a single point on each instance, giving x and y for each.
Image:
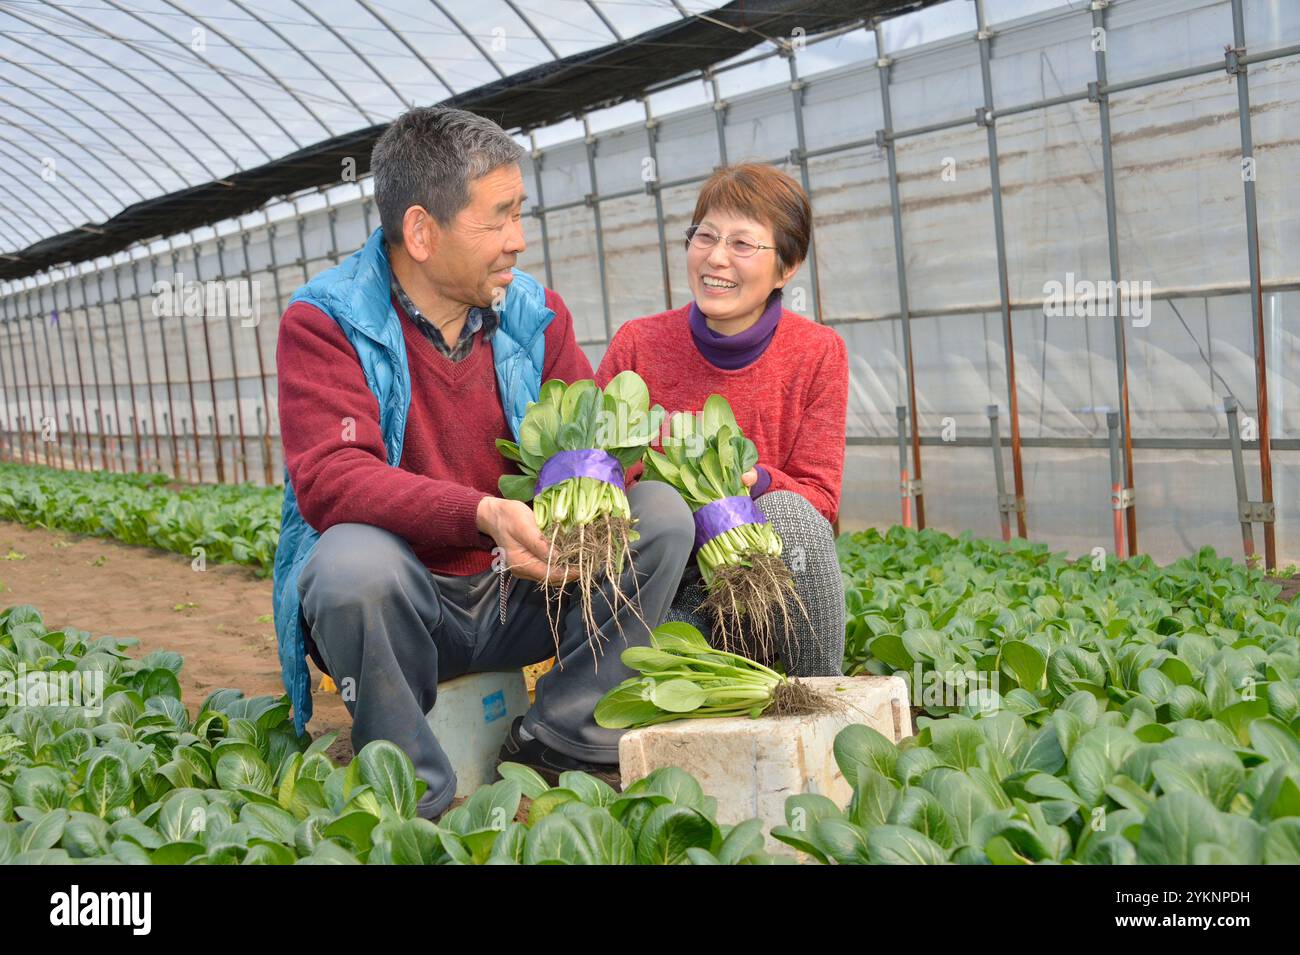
(470, 720)
(751, 765)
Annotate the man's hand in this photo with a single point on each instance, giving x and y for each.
(512, 525)
(750, 477)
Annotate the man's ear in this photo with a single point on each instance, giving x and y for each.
(420, 234)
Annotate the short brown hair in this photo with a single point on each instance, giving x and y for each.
(767, 195)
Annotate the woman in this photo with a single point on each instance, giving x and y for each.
(785, 376)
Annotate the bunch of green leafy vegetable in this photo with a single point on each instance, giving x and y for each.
(231, 523)
(587, 521)
(746, 582)
(683, 677)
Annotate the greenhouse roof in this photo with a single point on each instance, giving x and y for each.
(134, 120)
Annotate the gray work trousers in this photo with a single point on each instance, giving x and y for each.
(382, 620)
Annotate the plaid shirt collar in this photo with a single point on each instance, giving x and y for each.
(478, 318)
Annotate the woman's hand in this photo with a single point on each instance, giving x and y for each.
(750, 477)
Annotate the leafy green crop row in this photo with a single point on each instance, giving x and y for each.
(1123, 714)
(232, 523)
(127, 776)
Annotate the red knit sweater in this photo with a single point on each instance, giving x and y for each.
(340, 471)
(791, 402)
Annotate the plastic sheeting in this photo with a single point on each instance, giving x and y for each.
(1181, 227)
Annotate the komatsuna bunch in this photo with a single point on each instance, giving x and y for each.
(748, 585)
(683, 677)
(575, 444)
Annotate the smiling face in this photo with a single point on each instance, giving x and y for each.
(731, 290)
(470, 258)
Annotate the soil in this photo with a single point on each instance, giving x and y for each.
(1290, 587)
(218, 619)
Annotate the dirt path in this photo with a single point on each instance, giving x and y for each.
(218, 619)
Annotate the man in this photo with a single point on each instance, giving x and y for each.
(398, 369)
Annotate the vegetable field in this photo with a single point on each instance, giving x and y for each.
(1067, 712)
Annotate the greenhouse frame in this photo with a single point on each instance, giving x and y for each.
(964, 163)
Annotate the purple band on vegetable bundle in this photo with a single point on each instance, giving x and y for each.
(586, 462)
(718, 517)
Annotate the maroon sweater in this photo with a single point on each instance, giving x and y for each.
(340, 471)
(792, 402)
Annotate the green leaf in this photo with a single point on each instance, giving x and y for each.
(859, 748)
(1282, 842)
(529, 781)
(1206, 768)
(717, 412)
(957, 741)
(390, 775)
(669, 831)
(678, 696)
(1175, 826)
(242, 770)
(108, 783)
(1026, 662)
(630, 389)
(898, 845)
(355, 827)
(516, 487)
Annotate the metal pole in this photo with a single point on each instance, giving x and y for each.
(885, 141)
(1112, 238)
(1239, 477)
(904, 486)
(799, 156)
(719, 116)
(590, 142)
(38, 426)
(1116, 483)
(112, 373)
(652, 187)
(67, 379)
(234, 364)
(148, 364)
(264, 435)
(539, 210)
(179, 290)
(4, 377)
(27, 377)
(995, 438)
(192, 470)
(49, 360)
(279, 300)
(81, 380)
(1256, 294)
(333, 215)
(214, 427)
(130, 370)
(169, 416)
(985, 40)
(22, 441)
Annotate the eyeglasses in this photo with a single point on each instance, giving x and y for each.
(703, 238)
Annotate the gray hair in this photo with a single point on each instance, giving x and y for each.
(428, 156)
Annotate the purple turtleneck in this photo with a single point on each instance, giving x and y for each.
(737, 351)
(744, 348)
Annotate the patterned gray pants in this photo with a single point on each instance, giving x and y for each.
(812, 646)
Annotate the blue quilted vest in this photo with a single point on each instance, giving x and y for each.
(356, 294)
